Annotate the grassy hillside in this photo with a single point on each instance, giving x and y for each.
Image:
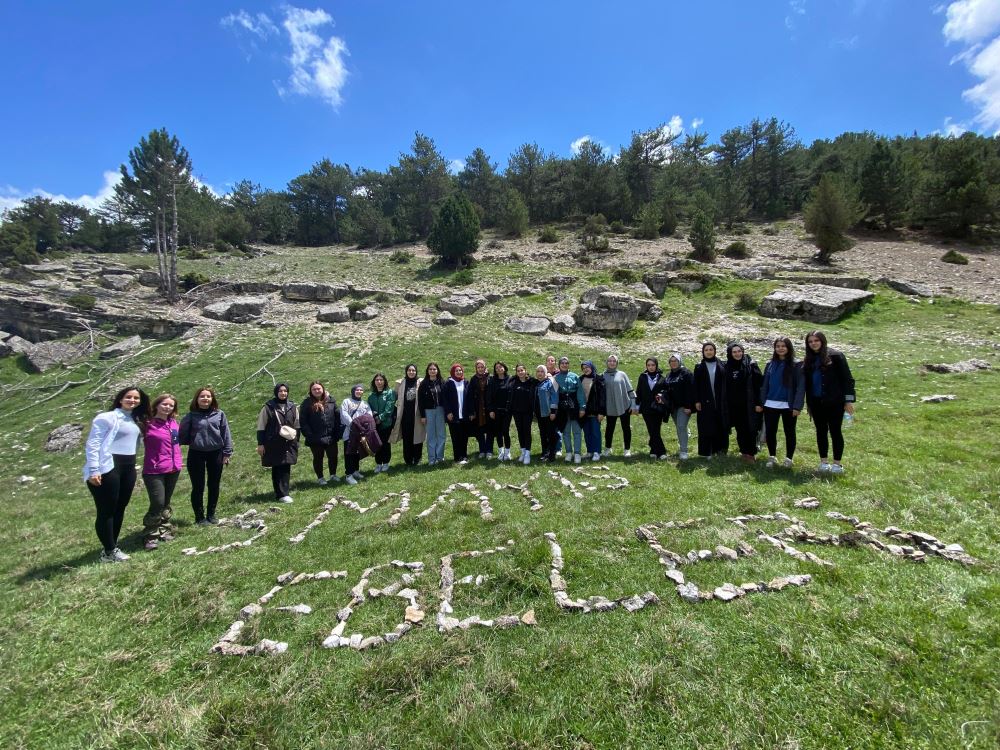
(874, 652)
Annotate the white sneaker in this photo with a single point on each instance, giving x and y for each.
(559, 454)
(107, 557)
(663, 457)
(606, 452)
(285, 499)
(653, 456)
(787, 463)
(596, 457)
(836, 469)
(463, 462)
(682, 456)
(385, 468)
(824, 467)
(358, 475)
(628, 453)
(488, 456)
(771, 462)
(351, 480)
(321, 482)
(577, 458)
(568, 458)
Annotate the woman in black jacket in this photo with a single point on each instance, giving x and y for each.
(430, 406)
(278, 440)
(521, 407)
(678, 396)
(648, 385)
(496, 402)
(319, 419)
(743, 379)
(829, 394)
(711, 403)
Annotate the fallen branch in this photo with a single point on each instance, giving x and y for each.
(263, 369)
(34, 403)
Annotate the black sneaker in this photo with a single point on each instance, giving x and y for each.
(213, 520)
(202, 522)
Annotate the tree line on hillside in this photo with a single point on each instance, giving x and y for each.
(759, 171)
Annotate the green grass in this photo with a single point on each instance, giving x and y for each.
(874, 653)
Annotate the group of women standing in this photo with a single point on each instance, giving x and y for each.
(567, 407)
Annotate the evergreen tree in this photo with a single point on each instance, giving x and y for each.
(732, 189)
(277, 220)
(420, 182)
(481, 184)
(832, 209)
(702, 236)
(643, 160)
(882, 185)
(592, 179)
(648, 222)
(319, 200)
(955, 192)
(514, 214)
(523, 173)
(16, 242)
(40, 218)
(454, 235)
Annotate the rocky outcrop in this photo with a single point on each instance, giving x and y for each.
(121, 348)
(610, 312)
(687, 281)
(48, 354)
(237, 309)
(65, 438)
(445, 318)
(117, 282)
(310, 291)
(531, 325)
(563, 324)
(847, 282)
(333, 314)
(462, 303)
(369, 312)
(815, 303)
(14, 345)
(969, 365)
(907, 287)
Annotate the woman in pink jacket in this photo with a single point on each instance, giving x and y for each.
(161, 466)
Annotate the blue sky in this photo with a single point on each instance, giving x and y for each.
(263, 90)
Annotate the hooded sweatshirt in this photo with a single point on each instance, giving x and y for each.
(350, 408)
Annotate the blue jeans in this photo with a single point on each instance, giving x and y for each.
(681, 425)
(572, 436)
(592, 434)
(435, 434)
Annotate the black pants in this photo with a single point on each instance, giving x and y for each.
(459, 432)
(654, 422)
(411, 451)
(483, 438)
(609, 430)
(549, 435)
(159, 490)
(746, 429)
(281, 478)
(501, 429)
(330, 453)
(111, 498)
(200, 464)
(713, 435)
(522, 421)
(771, 417)
(352, 461)
(384, 454)
(829, 418)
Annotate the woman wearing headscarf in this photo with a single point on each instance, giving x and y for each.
(620, 404)
(568, 420)
(590, 397)
(653, 410)
(278, 440)
(678, 396)
(478, 409)
(456, 413)
(430, 406)
(351, 408)
(710, 401)
(743, 378)
(408, 426)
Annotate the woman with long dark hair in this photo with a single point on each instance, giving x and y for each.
(206, 430)
(319, 416)
(382, 400)
(782, 394)
(711, 403)
(430, 404)
(408, 427)
(497, 397)
(456, 412)
(648, 385)
(478, 410)
(109, 467)
(829, 393)
(590, 398)
(743, 378)
(161, 466)
(521, 406)
(278, 440)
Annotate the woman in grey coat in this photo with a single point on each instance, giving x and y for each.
(620, 404)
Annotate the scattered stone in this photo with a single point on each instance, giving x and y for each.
(610, 312)
(725, 553)
(420, 322)
(531, 325)
(446, 319)
(333, 314)
(250, 611)
(969, 365)
(462, 303)
(727, 592)
(117, 283)
(689, 593)
(15, 345)
(414, 614)
(25, 479)
(907, 287)
(675, 575)
(64, 438)
(810, 503)
(121, 348)
(938, 398)
(563, 324)
(816, 303)
(756, 273)
(296, 609)
(237, 309)
(48, 354)
(369, 312)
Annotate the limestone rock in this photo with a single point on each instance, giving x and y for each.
(249, 611)
(117, 283)
(121, 348)
(311, 291)
(14, 345)
(563, 324)
(368, 312)
(64, 438)
(689, 593)
(727, 592)
(908, 287)
(236, 309)
(813, 302)
(969, 365)
(333, 314)
(611, 312)
(48, 354)
(462, 303)
(446, 319)
(828, 279)
(590, 296)
(528, 618)
(414, 614)
(755, 273)
(530, 325)
(938, 398)
(148, 278)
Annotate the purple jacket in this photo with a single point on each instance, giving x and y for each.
(162, 448)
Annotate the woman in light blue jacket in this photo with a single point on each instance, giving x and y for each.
(546, 409)
(109, 470)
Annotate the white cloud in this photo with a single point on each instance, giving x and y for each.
(318, 67)
(951, 129)
(576, 145)
(972, 22)
(796, 9)
(456, 165)
(10, 196)
(259, 25)
(697, 123)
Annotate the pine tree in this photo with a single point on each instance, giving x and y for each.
(882, 184)
(513, 214)
(702, 236)
(832, 209)
(454, 236)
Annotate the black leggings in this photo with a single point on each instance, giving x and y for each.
(501, 429)
(771, 417)
(111, 498)
(411, 451)
(459, 439)
(201, 463)
(829, 418)
(654, 422)
(609, 430)
(746, 429)
(330, 453)
(549, 435)
(281, 478)
(522, 420)
(384, 454)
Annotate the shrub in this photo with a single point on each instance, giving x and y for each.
(383, 297)
(549, 234)
(737, 249)
(668, 219)
(354, 305)
(625, 275)
(454, 236)
(636, 332)
(82, 301)
(513, 214)
(770, 230)
(617, 227)
(648, 223)
(515, 256)
(746, 301)
(741, 230)
(461, 278)
(401, 256)
(193, 253)
(192, 279)
(831, 210)
(594, 239)
(702, 237)
(955, 257)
